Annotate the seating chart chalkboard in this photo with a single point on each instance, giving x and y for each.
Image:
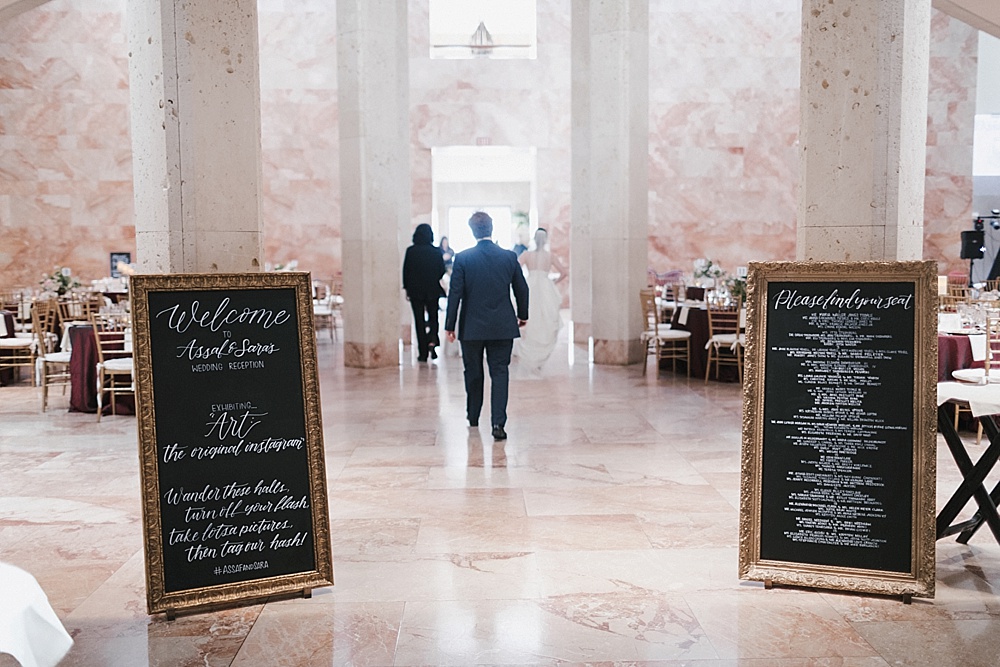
(839, 434)
(230, 438)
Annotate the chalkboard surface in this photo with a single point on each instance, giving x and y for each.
(838, 452)
(231, 423)
(838, 424)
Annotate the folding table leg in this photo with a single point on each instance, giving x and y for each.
(972, 484)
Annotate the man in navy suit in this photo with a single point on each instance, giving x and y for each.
(481, 281)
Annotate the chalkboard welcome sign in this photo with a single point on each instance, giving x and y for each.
(839, 429)
(230, 438)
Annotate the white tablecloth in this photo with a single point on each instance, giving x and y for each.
(66, 345)
(982, 399)
(29, 629)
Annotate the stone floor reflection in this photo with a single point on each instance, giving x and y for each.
(603, 531)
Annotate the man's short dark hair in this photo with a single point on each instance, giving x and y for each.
(481, 224)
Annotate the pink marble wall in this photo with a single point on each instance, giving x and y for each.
(299, 134)
(65, 152)
(951, 108)
(723, 117)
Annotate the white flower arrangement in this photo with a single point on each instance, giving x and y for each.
(708, 269)
(59, 282)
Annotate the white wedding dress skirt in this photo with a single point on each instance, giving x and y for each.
(538, 337)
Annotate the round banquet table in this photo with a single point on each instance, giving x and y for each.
(697, 323)
(83, 375)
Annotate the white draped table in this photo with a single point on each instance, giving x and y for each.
(29, 628)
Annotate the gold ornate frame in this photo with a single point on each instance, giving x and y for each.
(157, 599)
(919, 581)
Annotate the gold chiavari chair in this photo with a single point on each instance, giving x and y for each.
(725, 347)
(53, 366)
(18, 301)
(115, 365)
(671, 296)
(78, 308)
(660, 340)
(323, 316)
(17, 350)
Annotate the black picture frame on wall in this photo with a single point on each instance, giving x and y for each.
(116, 257)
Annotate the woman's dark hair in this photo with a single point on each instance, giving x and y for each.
(423, 234)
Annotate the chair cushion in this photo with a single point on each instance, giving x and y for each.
(57, 357)
(15, 343)
(674, 334)
(119, 365)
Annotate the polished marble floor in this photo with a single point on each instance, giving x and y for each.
(603, 532)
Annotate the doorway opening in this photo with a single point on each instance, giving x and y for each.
(499, 180)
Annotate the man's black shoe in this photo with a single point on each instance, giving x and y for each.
(473, 422)
(499, 433)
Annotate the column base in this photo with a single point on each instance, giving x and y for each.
(618, 352)
(371, 355)
(582, 332)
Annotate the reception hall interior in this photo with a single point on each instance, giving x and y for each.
(663, 144)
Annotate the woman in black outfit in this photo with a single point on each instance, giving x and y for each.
(423, 267)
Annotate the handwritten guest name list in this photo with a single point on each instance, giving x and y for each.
(836, 486)
(232, 457)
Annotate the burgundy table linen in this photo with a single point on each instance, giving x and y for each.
(83, 375)
(954, 353)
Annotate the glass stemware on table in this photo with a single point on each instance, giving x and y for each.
(979, 319)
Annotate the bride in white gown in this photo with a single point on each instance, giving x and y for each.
(538, 337)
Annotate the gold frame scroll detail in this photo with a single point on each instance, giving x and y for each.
(918, 580)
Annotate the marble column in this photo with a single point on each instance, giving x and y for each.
(863, 140)
(580, 258)
(373, 94)
(617, 162)
(194, 81)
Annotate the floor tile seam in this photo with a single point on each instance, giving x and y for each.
(804, 592)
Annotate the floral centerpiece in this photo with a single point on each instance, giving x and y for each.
(60, 281)
(707, 272)
(737, 287)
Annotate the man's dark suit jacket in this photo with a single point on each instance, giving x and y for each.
(481, 280)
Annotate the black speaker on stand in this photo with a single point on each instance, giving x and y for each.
(972, 246)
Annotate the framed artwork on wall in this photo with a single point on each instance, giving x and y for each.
(116, 257)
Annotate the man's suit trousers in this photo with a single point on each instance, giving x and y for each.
(498, 359)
